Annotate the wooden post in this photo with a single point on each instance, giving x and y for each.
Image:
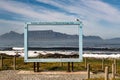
(14, 62)
(113, 71)
(106, 73)
(34, 67)
(61, 64)
(1, 62)
(72, 66)
(68, 66)
(115, 63)
(88, 71)
(85, 63)
(37, 66)
(103, 64)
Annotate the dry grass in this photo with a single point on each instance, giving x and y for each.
(100, 79)
(94, 63)
(78, 66)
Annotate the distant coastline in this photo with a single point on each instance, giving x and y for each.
(67, 48)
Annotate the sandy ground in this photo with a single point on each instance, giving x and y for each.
(53, 75)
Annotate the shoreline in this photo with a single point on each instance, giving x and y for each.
(67, 48)
(90, 54)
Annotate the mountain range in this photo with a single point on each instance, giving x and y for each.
(50, 35)
(46, 34)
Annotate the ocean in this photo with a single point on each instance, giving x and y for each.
(66, 46)
(58, 43)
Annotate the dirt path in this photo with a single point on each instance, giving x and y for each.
(30, 75)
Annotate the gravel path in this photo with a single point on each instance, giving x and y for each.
(17, 75)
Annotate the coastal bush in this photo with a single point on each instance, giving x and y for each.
(96, 65)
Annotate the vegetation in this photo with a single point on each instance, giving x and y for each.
(95, 64)
(100, 79)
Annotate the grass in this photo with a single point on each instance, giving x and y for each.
(100, 79)
(94, 63)
(57, 66)
(96, 79)
(20, 65)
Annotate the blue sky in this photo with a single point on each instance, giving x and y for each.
(100, 17)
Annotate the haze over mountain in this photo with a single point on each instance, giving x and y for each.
(11, 36)
(45, 34)
(49, 35)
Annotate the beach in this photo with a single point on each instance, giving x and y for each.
(89, 54)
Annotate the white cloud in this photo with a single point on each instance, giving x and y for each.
(101, 30)
(29, 11)
(8, 25)
(103, 11)
(91, 12)
(90, 9)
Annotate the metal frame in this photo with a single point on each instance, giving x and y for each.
(53, 59)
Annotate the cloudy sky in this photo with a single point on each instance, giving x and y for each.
(100, 17)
